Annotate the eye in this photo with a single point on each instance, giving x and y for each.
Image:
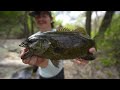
(37, 17)
(44, 16)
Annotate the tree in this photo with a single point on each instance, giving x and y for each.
(105, 24)
(25, 24)
(32, 25)
(9, 20)
(88, 22)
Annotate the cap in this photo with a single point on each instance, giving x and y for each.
(34, 13)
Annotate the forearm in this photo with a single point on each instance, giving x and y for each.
(50, 70)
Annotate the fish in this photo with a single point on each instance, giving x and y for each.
(64, 44)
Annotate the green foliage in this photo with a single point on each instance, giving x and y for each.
(8, 21)
(8, 17)
(15, 23)
(107, 62)
(70, 26)
(113, 36)
(111, 43)
(97, 67)
(57, 23)
(16, 33)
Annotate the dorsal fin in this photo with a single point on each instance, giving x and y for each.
(63, 29)
(77, 29)
(81, 30)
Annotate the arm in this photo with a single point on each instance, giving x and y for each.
(41, 62)
(47, 69)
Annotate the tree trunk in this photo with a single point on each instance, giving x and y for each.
(26, 29)
(88, 22)
(32, 26)
(105, 24)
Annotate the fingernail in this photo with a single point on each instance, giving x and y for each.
(92, 50)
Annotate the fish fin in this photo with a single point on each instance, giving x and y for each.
(63, 29)
(81, 30)
(55, 63)
(77, 29)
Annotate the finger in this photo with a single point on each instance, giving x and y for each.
(78, 62)
(84, 62)
(26, 61)
(22, 52)
(92, 50)
(81, 61)
(43, 63)
(33, 60)
(39, 61)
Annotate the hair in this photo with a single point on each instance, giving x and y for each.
(50, 15)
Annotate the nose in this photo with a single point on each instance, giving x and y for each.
(39, 19)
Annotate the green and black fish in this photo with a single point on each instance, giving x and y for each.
(60, 45)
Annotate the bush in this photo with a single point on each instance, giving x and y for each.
(111, 43)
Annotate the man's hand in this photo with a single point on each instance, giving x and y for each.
(34, 60)
(82, 61)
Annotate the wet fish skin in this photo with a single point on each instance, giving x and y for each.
(60, 46)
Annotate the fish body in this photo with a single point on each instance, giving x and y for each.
(61, 45)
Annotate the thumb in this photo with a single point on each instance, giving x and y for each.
(92, 50)
(22, 52)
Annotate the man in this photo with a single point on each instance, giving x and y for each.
(46, 69)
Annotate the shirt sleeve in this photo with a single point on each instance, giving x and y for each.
(50, 70)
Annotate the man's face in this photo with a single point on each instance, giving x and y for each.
(43, 20)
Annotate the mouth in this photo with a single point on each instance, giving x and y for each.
(39, 22)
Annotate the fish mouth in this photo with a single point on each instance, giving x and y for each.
(26, 54)
(22, 45)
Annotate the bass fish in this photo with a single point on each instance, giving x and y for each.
(64, 44)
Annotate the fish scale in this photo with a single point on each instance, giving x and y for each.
(64, 44)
